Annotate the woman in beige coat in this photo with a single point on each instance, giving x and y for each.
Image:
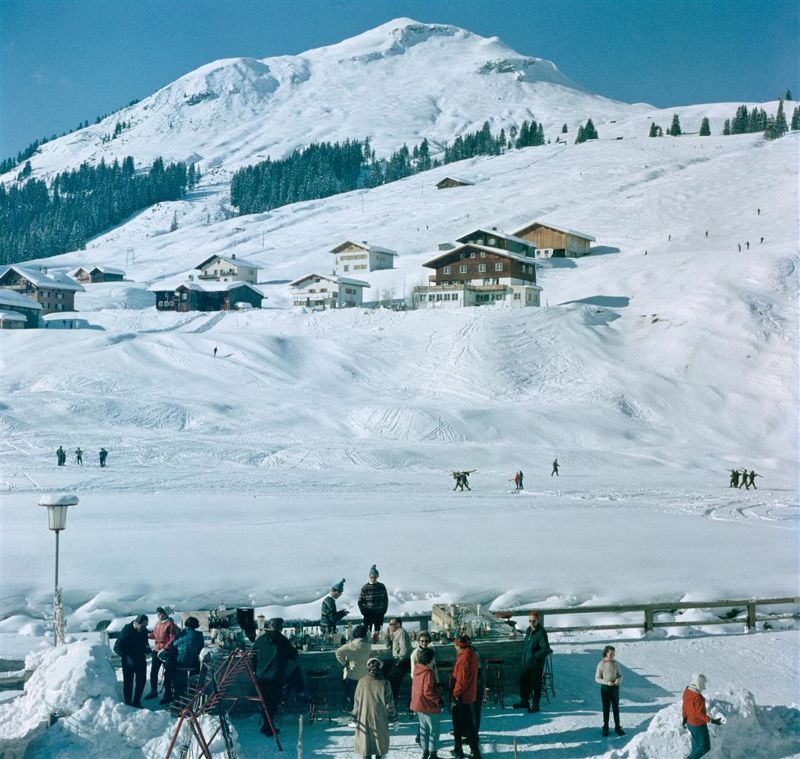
(372, 711)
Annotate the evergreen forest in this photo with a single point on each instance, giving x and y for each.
(37, 221)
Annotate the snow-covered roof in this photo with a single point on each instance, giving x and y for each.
(58, 499)
(102, 269)
(453, 179)
(474, 246)
(330, 278)
(37, 277)
(557, 227)
(12, 316)
(364, 245)
(242, 263)
(13, 298)
(496, 233)
(203, 286)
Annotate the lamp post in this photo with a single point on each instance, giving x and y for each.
(57, 505)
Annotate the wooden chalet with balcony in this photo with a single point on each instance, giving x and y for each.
(484, 267)
(18, 311)
(556, 242)
(54, 292)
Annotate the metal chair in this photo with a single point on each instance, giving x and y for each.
(494, 681)
(319, 700)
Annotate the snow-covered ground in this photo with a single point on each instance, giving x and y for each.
(316, 444)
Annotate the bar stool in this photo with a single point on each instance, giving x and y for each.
(494, 681)
(318, 694)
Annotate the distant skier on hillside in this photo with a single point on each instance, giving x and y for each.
(734, 478)
(751, 479)
(103, 456)
(79, 456)
(521, 480)
(461, 479)
(61, 457)
(555, 468)
(516, 481)
(215, 351)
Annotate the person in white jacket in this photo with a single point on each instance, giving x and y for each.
(353, 656)
(608, 676)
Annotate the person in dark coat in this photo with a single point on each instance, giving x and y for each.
(555, 468)
(734, 478)
(188, 645)
(373, 601)
(330, 617)
(464, 689)
(61, 457)
(272, 653)
(103, 456)
(751, 479)
(133, 648)
(535, 650)
(79, 456)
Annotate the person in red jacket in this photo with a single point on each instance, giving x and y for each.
(695, 717)
(426, 703)
(464, 688)
(163, 634)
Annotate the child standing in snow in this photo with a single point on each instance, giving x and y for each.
(608, 676)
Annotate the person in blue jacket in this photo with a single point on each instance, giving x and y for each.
(188, 646)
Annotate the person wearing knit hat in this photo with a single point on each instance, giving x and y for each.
(695, 717)
(330, 617)
(373, 709)
(373, 601)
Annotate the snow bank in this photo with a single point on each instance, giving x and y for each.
(748, 730)
(76, 686)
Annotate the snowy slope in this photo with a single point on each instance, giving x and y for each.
(378, 84)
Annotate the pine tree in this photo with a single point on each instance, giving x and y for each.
(580, 138)
(726, 129)
(586, 132)
(564, 129)
(796, 118)
(174, 226)
(705, 127)
(780, 121)
(788, 95)
(675, 127)
(653, 129)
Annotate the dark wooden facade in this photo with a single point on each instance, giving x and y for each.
(185, 298)
(471, 263)
(51, 298)
(95, 275)
(449, 182)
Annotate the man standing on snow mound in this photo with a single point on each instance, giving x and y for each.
(164, 634)
(695, 717)
(535, 650)
(132, 648)
(373, 601)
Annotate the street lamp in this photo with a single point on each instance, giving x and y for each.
(57, 505)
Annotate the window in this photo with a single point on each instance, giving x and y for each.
(423, 297)
(447, 270)
(498, 267)
(438, 296)
(59, 295)
(481, 267)
(472, 254)
(516, 296)
(463, 268)
(483, 254)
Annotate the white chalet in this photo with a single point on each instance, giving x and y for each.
(361, 256)
(320, 291)
(228, 269)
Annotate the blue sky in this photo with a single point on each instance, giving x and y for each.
(66, 61)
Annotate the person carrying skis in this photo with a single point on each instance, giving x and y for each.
(751, 479)
(555, 468)
(516, 481)
(734, 478)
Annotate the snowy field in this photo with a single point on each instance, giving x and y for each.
(317, 444)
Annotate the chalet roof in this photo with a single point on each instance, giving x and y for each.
(38, 278)
(364, 245)
(12, 316)
(101, 269)
(496, 233)
(454, 179)
(558, 228)
(330, 278)
(242, 263)
(12, 298)
(454, 254)
(202, 286)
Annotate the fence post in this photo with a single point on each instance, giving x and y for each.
(751, 615)
(648, 620)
